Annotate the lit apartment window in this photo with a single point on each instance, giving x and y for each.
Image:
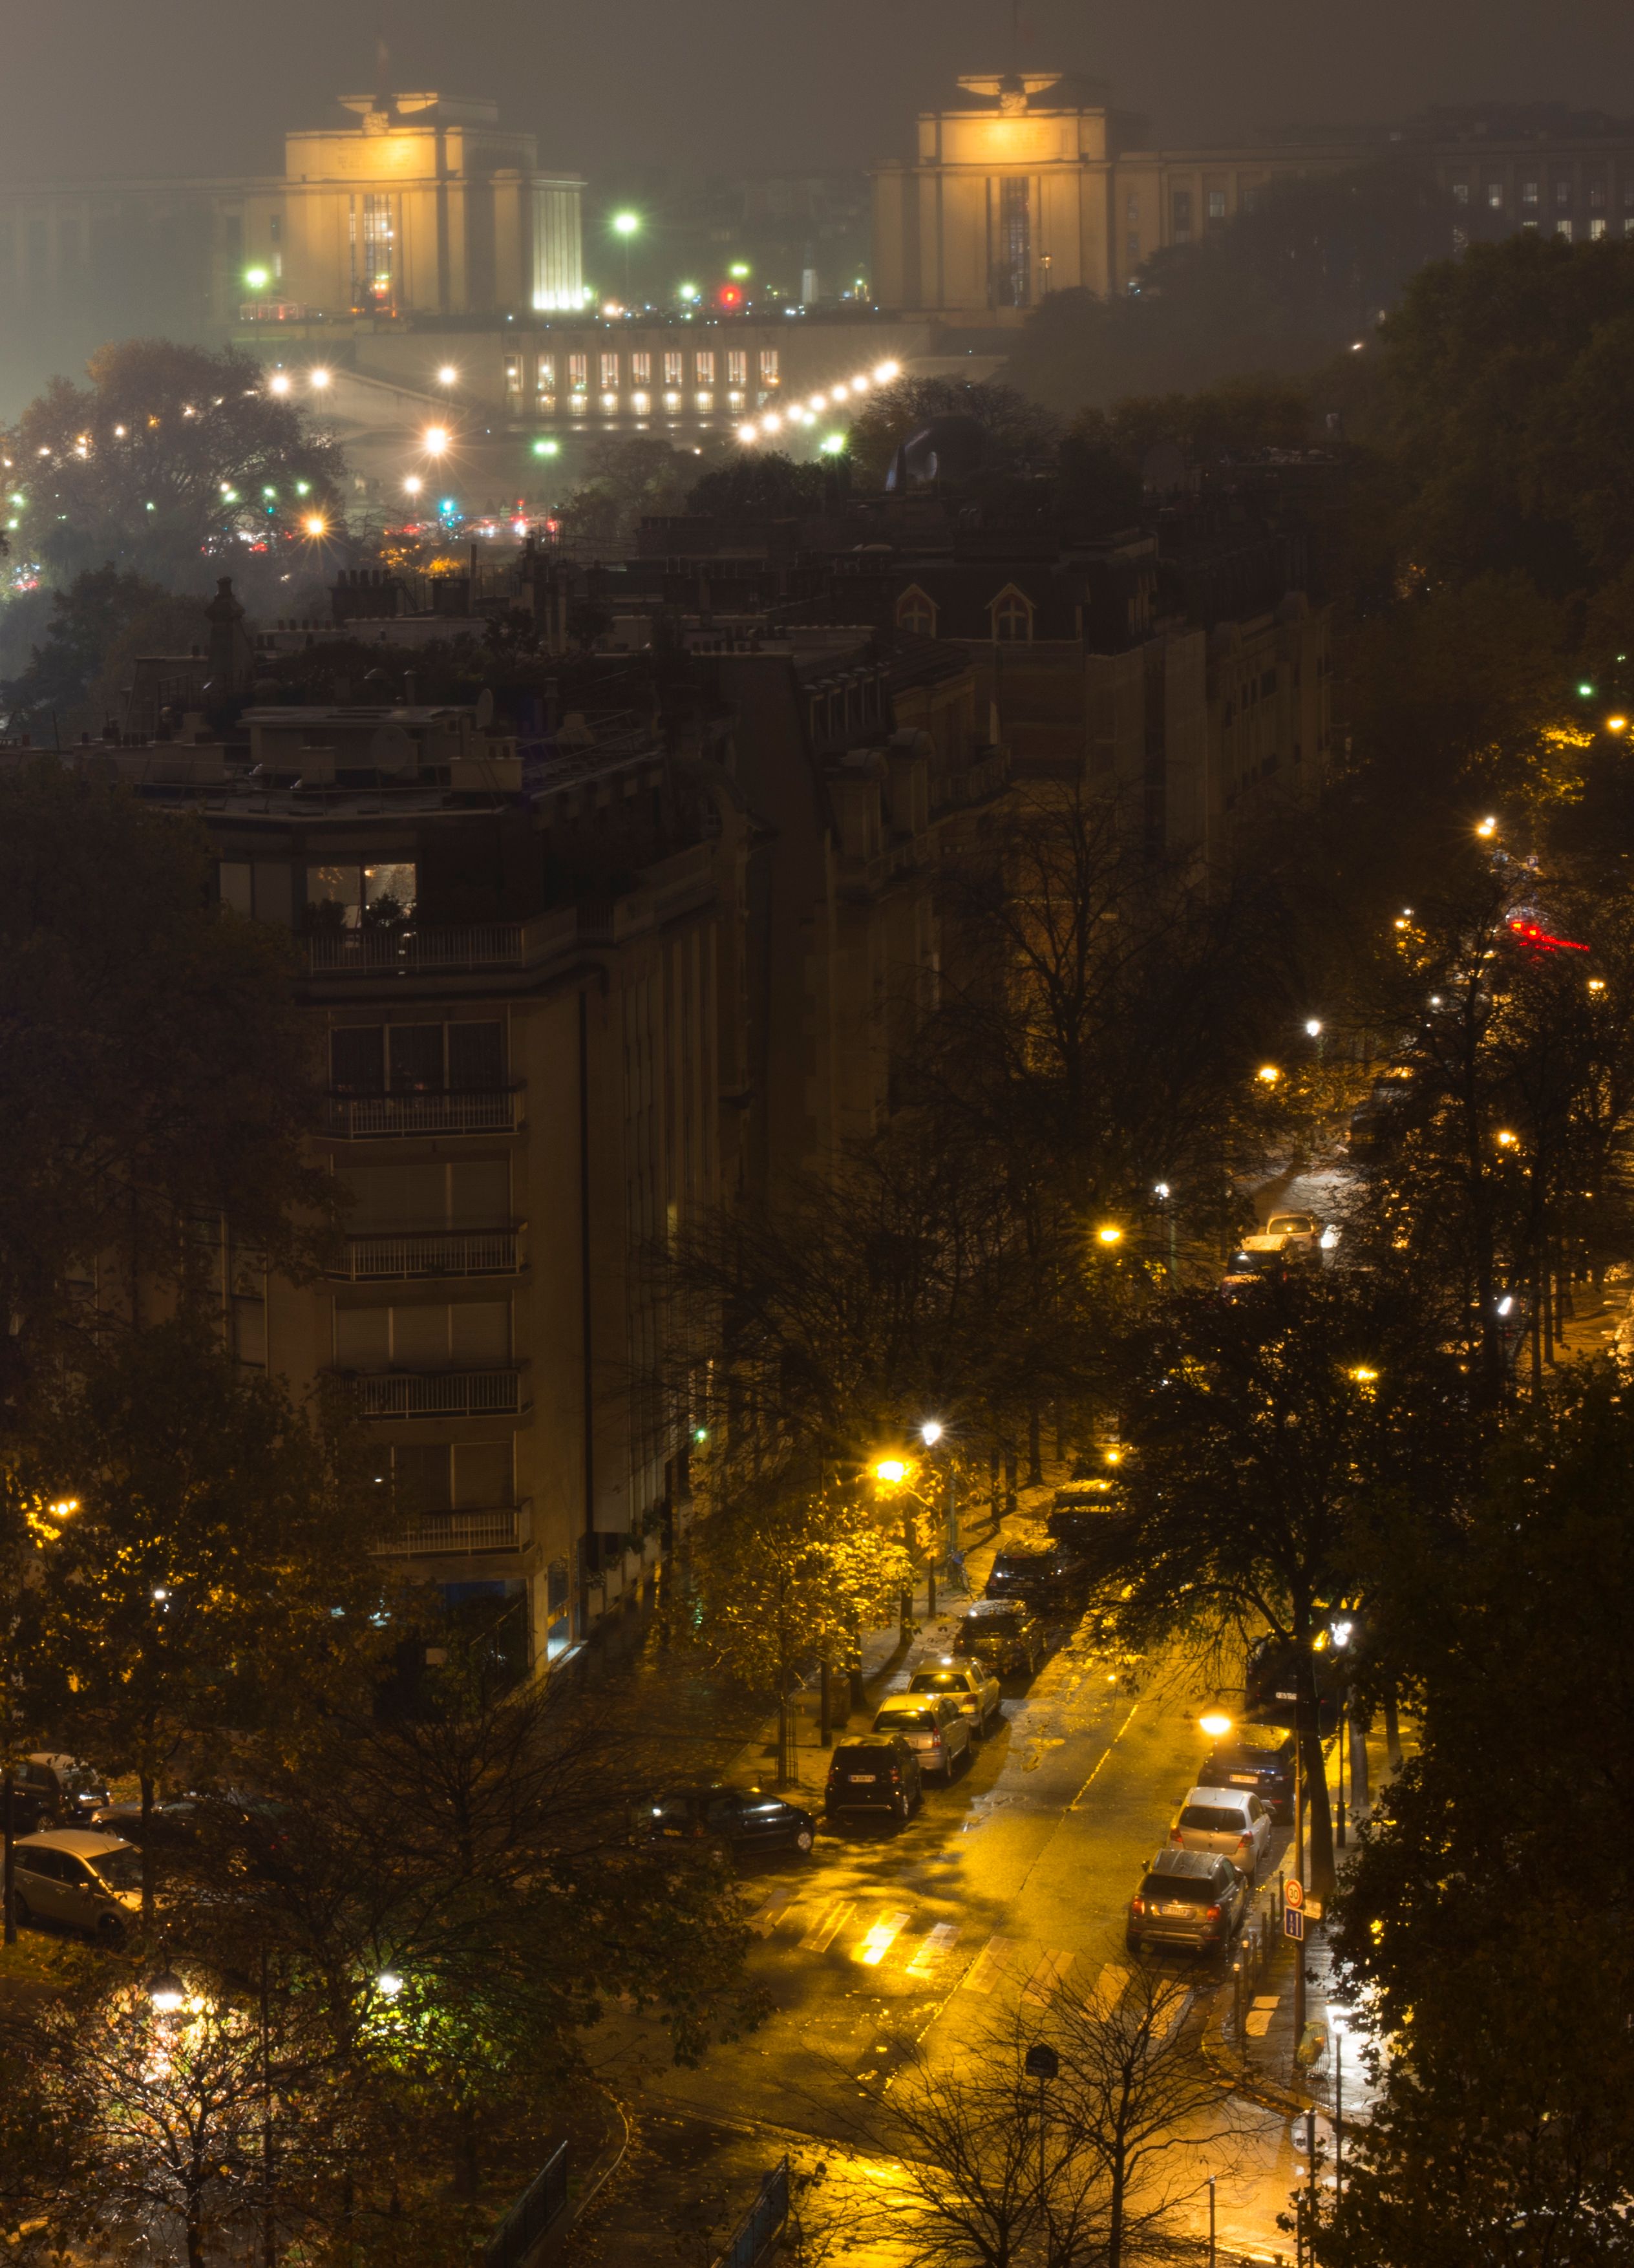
(609, 403)
(734, 400)
(641, 403)
(672, 368)
(338, 896)
(1179, 208)
(545, 377)
(1562, 228)
(737, 367)
(705, 400)
(672, 401)
(641, 370)
(1528, 193)
(609, 372)
(705, 367)
(1460, 192)
(768, 365)
(1495, 196)
(578, 373)
(1013, 617)
(1628, 225)
(1597, 229)
(1217, 204)
(513, 375)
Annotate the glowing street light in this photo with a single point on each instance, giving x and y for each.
(316, 524)
(414, 484)
(167, 1992)
(1215, 1723)
(932, 1432)
(1314, 1027)
(1109, 1237)
(1616, 724)
(892, 1471)
(389, 1985)
(257, 278)
(279, 382)
(545, 448)
(320, 378)
(448, 375)
(434, 440)
(833, 445)
(628, 224)
(1487, 827)
(1268, 1074)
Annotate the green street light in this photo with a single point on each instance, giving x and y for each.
(834, 446)
(740, 272)
(257, 278)
(627, 224)
(546, 448)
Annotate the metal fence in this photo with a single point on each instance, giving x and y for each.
(440, 1393)
(499, 1529)
(444, 1252)
(531, 2216)
(762, 2223)
(372, 1117)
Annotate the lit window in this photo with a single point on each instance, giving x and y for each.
(513, 373)
(706, 401)
(1012, 618)
(734, 401)
(545, 377)
(1597, 229)
(1217, 204)
(1460, 192)
(641, 370)
(1495, 196)
(577, 372)
(915, 613)
(768, 365)
(672, 368)
(1628, 225)
(737, 367)
(705, 366)
(1562, 228)
(1528, 193)
(641, 403)
(609, 372)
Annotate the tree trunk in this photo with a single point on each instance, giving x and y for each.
(1010, 1477)
(783, 1774)
(992, 1475)
(1392, 1729)
(825, 1728)
(1115, 2217)
(1360, 1793)
(464, 2168)
(193, 2222)
(1035, 1447)
(147, 1856)
(8, 1859)
(1318, 1814)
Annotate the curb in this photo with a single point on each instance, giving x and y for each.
(1240, 2076)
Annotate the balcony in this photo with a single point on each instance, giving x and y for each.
(438, 952)
(430, 1535)
(440, 1394)
(402, 1257)
(383, 1118)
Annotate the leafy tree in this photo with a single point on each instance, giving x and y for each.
(1260, 1434)
(1489, 1958)
(220, 1532)
(170, 454)
(761, 484)
(625, 479)
(75, 682)
(1239, 417)
(1022, 436)
(153, 1065)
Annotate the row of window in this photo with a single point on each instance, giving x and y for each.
(614, 370)
(1011, 613)
(1596, 193)
(467, 1058)
(1565, 229)
(464, 1334)
(448, 1476)
(428, 1193)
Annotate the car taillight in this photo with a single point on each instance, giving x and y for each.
(1213, 1914)
(1176, 1837)
(896, 1771)
(1243, 1841)
(1138, 1905)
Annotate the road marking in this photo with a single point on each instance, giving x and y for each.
(1047, 1978)
(766, 1919)
(1077, 1799)
(1109, 1988)
(878, 1941)
(934, 1946)
(989, 1964)
(1266, 1999)
(828, 1926)
(1257, 2022)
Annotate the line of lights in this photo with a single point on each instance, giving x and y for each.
(808, 412)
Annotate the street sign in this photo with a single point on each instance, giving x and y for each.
(1293, 1923)
(1293, 1892)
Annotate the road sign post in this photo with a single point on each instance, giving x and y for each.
(1293, 1928)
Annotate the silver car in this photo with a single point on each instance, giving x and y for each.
(1227, 1822)
(970, 1684)
(69, 1874)
(933, 1727)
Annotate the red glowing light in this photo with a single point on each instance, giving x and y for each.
(729, 295)
(1538, 940)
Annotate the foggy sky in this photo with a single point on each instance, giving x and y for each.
(208, 86)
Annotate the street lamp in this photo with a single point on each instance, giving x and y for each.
(1043, 2063)
(892, 1472)
(448, 375)
(434, 440)
(1109, 1236)
(626, 224)
(166, 1992)
(388, 1983)
(1215, 1723)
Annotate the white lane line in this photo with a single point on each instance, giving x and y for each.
(989, 1964)
(827, 1925)
(1047, 1978)
(1109, 1988)
(934, 1947)
(767, 1917)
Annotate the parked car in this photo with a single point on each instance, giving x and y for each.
(736, 1819)
(68, 1874)
(970, 1684)
(1003, 1633)
(1259, 1758)
(1079, 1516)
(934, 1726)
(1302, 1234)
(1191, 1898)
(1056, 1579)
(876, 1771)
(54, 1791)
(1228, 1821)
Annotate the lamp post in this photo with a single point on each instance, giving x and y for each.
(931, 1433)
(1043, 2065)
(892, 1472)
(1163, 1194)
(627, 225)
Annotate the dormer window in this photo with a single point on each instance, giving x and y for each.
(1013, 617)
(915, 613)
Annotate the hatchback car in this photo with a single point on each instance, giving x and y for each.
(1056, 1579)
(877, 1772)
(934, 1727)
(1003, 1633)
(735, 1820)
(1301, 1232)
(1258, 1758)
(970, 1684)
(88, 1881)
(54, 1791)
(1190, 1898)
(1227, 1821)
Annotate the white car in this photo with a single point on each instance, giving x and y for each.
(1227, 1822)
(933, 1727)
(1301, 1233)
(88, 1881)
(969, 1684)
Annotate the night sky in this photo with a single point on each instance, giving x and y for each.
(168, 86)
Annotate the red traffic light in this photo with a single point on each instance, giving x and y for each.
(730, 295)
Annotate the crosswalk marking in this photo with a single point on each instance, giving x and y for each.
(1257, 2022)
(934, 1946)
(1047, 1978)
(766, 1919)
(826, 1925)
(989, 1964)
(877, 1942)
(1109, 1988)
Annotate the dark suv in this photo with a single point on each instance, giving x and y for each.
(1192, 1898)
(735, 1820)
(1056, 1579)
(876, 1771)
(52, 1791)
(1258, 1758)
(1004, 1633)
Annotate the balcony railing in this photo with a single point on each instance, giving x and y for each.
(414, 952)
(381, 1117)
(441, 1252)
(440, 1394)
(428, 1534)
